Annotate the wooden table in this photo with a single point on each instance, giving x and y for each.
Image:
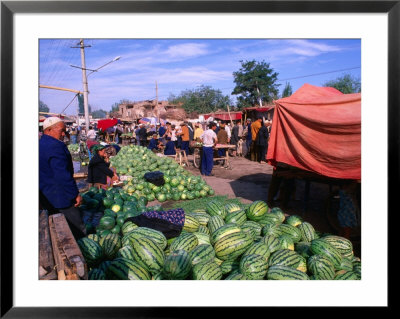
(197, 154)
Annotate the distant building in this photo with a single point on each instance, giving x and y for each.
(139, 109)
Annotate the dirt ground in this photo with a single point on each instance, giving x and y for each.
(250, 181)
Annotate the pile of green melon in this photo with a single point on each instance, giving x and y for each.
(135, 161)
(222, 241)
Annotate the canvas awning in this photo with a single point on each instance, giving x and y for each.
(224, 116)
(318, 129)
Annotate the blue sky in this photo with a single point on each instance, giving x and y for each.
(178, 65)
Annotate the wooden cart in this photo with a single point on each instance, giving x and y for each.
(198, 149)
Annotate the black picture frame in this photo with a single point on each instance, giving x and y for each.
(9, 8)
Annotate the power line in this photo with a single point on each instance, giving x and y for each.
(304, 76)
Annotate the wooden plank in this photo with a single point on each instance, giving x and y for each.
(46, 259)
(70, 262)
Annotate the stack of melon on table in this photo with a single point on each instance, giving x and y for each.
(223, 241)
(135, 161)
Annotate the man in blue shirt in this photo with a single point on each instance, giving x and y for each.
(161, 132)
(58, 192)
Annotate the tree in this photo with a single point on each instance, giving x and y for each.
(345, 84)
(202, 100)
(43, 107)
(255, 81)
(99, 114)
(82, 106)
(287, 91)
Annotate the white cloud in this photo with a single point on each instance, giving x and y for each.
(186, 50)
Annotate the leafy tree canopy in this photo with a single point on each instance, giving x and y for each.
(288, 90)
(82, 105)
(202, 100)
(345, 84)
(99, 114)
(255, 81)
(43, 107)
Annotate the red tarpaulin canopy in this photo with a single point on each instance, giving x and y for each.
(224, 116)
(259, 109)
(318, 129)
(105, 124)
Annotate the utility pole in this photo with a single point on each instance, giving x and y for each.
(85, 83)
(259, 97)
(85, 86)
(156, 100)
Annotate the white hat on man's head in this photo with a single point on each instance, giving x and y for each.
(50, 121)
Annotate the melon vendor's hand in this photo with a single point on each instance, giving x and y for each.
(78, 200)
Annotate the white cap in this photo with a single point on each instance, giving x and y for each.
(50, 121)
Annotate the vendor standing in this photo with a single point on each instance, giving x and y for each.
(208, 138)
(99, 172)
(223, 138)
(58, 192)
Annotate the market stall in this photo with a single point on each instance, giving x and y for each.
(316, 133)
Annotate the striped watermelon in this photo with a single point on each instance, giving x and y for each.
(148, 254)
(357, 268)
(303, 248)
(177, 265)
(107, 222)
(257, 228)
(110, 243)
(202, 253)
(272, 242)
(215, 208)
(202, 217)
(231, 208)
(206, 271)
(202, 238)
(346, 275)
(253, 266)
(232, 246)
(302, 265)
(126, 252)
(191, 224)
(104, 265)
(91, 251)
(285, 257)
(185, 241)
(215, 222)
(269, 219)
(346, 264)
(224, 231)
(343, 245)
(294, 220)
(155, 235)
(324, 248)
(229, 265)
(203, 229)
(237, 217)
(279, 272)
(294, 232)
(278, 213)
(96, 274)
(286, 242)
(125, 269)
(158, 276)
(236, 275)
(94, 237)
(307, 232)
(271, 229)
(259, 248)
(128, 227)
(257, 210)
(321, 267)
(218, 261)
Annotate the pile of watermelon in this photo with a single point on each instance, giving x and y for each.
(222, 242)
(135, 161)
